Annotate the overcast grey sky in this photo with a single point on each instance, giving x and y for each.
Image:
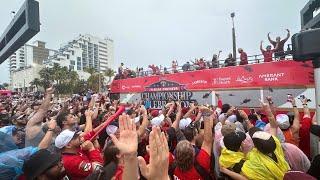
(158, 31)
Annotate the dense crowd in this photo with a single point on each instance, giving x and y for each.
(49, 138)
(269, 54)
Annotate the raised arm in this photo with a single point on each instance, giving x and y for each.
(192, 108)
(296, 121)
(271, 118)
(288, 35)
(208, 118)
(46, 140)
(34, 124)
(175, 124)
(88, 115)
(261, 48)
(145, 121)
(270, 40)
(128, 146)
(158, 167)
(271, 104)
(306, 111)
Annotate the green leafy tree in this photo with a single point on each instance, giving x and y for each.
(109, 73)
(36, 82)
(5, 85)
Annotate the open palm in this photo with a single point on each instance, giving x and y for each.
(128, 141)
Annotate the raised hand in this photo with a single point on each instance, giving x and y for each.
(88, 113)
(143, 109)
(50, 90)
(128, 141)
(158, 167)
(263, 104)
(52, 124)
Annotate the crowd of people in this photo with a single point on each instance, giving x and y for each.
(277, 52)
(45, 138)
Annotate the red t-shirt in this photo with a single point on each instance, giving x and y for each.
(267, 55)
(80, 165)
(119, 172)
(304, 134)
(243, 58)
(203, 158)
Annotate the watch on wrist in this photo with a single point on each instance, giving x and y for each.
(294, 106)
(206, 114)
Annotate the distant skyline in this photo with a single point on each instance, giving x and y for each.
(157, 32)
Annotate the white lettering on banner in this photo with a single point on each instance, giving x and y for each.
(271, 77)
(225, 80)
(244, 80)
(199, 82)
(124, 87)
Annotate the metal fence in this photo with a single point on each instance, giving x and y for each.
(253, 59)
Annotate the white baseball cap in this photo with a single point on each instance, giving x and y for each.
(137, 119)
(184, 123)
(283, 121)
(232, 118)
(111, 129)
(64, 138)
(157, 120)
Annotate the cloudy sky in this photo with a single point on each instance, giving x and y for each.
(158, 31)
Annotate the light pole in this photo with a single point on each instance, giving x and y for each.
(233, 37)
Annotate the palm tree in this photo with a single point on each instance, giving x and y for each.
(5, 85)
(46, 76)
(90, 70)
(36, 82)
(109, 73)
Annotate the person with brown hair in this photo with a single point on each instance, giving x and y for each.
(191, 164)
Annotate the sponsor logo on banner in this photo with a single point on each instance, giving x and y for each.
(199, 82)
(244, 80)
(222, 80)
(124, 87)
(160, 93)
(271, 77)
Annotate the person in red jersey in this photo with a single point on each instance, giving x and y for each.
(192, 165)
(243, 57)
(267, 53)
(79, 159)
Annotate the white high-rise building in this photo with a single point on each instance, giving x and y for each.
(85, 51)
(25, 63)
(29, 55)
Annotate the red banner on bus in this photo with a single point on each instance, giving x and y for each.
(274, 74)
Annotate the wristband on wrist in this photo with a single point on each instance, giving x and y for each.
(305, 104)
(294, 106)
(50, 129)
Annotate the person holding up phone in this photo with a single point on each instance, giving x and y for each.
(290, 125)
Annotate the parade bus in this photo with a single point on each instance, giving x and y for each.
(241, 86)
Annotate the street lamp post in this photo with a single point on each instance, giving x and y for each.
(233, 37)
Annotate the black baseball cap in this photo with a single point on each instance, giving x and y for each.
(233, 140)
(39, 163)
